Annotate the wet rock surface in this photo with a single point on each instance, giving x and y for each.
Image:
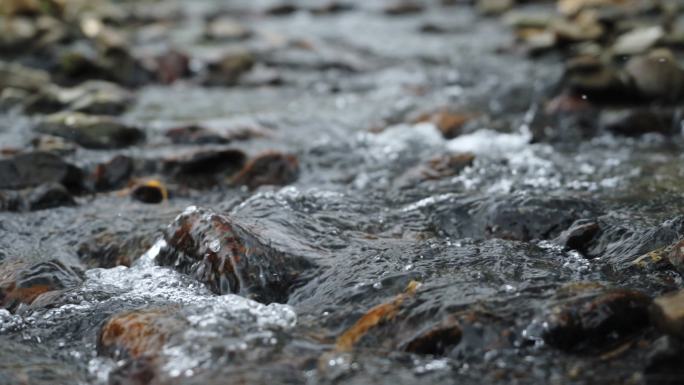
(302, 192)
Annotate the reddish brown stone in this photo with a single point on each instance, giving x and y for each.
(139, 333)
(23, 283)
(229, 258)
(113, 174)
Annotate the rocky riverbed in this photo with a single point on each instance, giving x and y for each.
(341, 192)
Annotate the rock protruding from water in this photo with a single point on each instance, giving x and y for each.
(24, 283)
(596, 318)
(32, 169)
(229, 258)
(667, 313)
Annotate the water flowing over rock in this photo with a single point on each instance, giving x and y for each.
(230, 258)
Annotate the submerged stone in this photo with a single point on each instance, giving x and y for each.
(230, 258)
(139, 333)
(596, 319)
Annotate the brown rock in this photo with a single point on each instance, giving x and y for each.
(229, 258)
(667, 313)
(401, 8)
(596, 319)
(269, 168)
(228, 70)
(449, 123)
(22, 282)
(657, 76)
(113, 174)
(139, 333)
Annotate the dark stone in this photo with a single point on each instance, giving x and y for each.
(665, 364)
(403, 7)
(171, 66)
(636, 122)
(150, 192)
(436, 340)
(49, 196)
(269, 168)
(113, 174)
(91, 131)
(35, 168)
(23, 283)
(283, 9)
(578, 236)
(228, 70)
(194, 134)
(205, 168)
(597, 320)
(229, 258)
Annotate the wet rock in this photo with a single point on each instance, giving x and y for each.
(194, 134)
(579, 235)
(493, 7)
(282, 9)
(151, 191)
(228, 70)
(230, 258)
(113, 174)
(331, 7)
(99, 98)
(23, 283)
(226, 29)
(54, 144)
(449, 123)
(112, 63)
(17, 33)
(436, 168)
(584, 28)
(435, 340)
(171, 66)
(35, 168)
(17, 76)
(675, 255)
(639, 121)
(657, 76)
(12, 201)
(667, 313)
(598, 82)
(375, 317)
(637, 41)
(401, 8)
(270, 168)
(29, 363)
(205, 168)
(597, 319)
(49, 196)
(90, 131)
(664, 362)
(139, 333)
(93, 97)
